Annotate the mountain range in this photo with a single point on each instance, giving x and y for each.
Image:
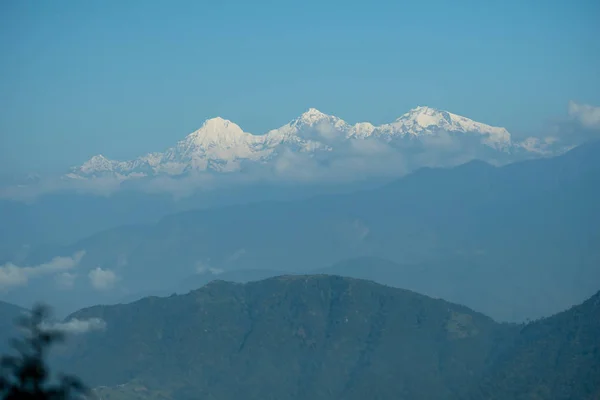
(515, 242)
(222, 146)
(328, 337)
(220, 164)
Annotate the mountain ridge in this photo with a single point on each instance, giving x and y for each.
(324, 336)
(478, 229)
(221, 145)
(331, 337)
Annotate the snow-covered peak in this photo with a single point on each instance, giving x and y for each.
(217, 122)
(221, 145)
(308, 131)
(425, 120)
(424, 117)
(218, 132)
(215, 128)
(311, 117)
(361, 130)
(314, 117)
(97, 163)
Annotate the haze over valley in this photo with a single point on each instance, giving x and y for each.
(338, 200)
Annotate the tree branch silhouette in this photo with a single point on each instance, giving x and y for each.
(26, 376)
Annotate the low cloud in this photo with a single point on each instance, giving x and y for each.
(344, 160)
(582, 125)
(12, 275)
(122, 260)
(77, 326)
(179, 187)
(65, 280)
(327, 132)
(545, 146)
(203, 268)
(588, 116)
(102, 279)
(441, 141)
(101, 186)
(235, 256)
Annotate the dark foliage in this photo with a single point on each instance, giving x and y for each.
(328, 337)
(557, 358)
(287, 338)
(26, 376)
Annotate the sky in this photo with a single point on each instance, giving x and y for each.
(126, 78)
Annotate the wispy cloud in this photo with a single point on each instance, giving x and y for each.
(345, 160)
(205, 268)
(232, 258)
(65, 280)
(12, 275)
(587, 115)
(102, 279)
(76, 326)
(582, 125)
(105, 186)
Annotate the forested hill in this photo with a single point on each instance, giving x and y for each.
(300, 337)
(555, 358)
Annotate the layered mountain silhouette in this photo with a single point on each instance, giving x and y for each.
(515, 242)
(220, 164)
(328, 337)
(555, 358)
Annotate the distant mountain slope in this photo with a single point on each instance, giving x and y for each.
(515, 242)
(556, 358)
(9, 314)
(319, 336)
(63, 217)
(220, 164)
(294, 337)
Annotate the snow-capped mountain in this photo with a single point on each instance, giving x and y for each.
(428, 121)
(222, 146)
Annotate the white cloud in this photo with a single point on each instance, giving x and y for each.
(77, 326)
(65, 280)
(203, 268)
(102, 279)
(581, 126)
(441, 141)
(327, 131)
(12, 275)
(587, 115)
(122, 260)
(345, 160)
(236, 255)
(103, 186)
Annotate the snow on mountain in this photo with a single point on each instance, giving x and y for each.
(220, 145)
(309, 131)
(361, 130)
(428, 121)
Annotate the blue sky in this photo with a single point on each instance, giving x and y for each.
(123, 78)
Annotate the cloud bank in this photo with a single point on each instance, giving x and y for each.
(102, 279)
(65, 280)
(204, 268)
(347, 160)
(76, 326)
(12, 275)
(588, 116)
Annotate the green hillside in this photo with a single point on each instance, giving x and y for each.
(300, 337)
(555, 359)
